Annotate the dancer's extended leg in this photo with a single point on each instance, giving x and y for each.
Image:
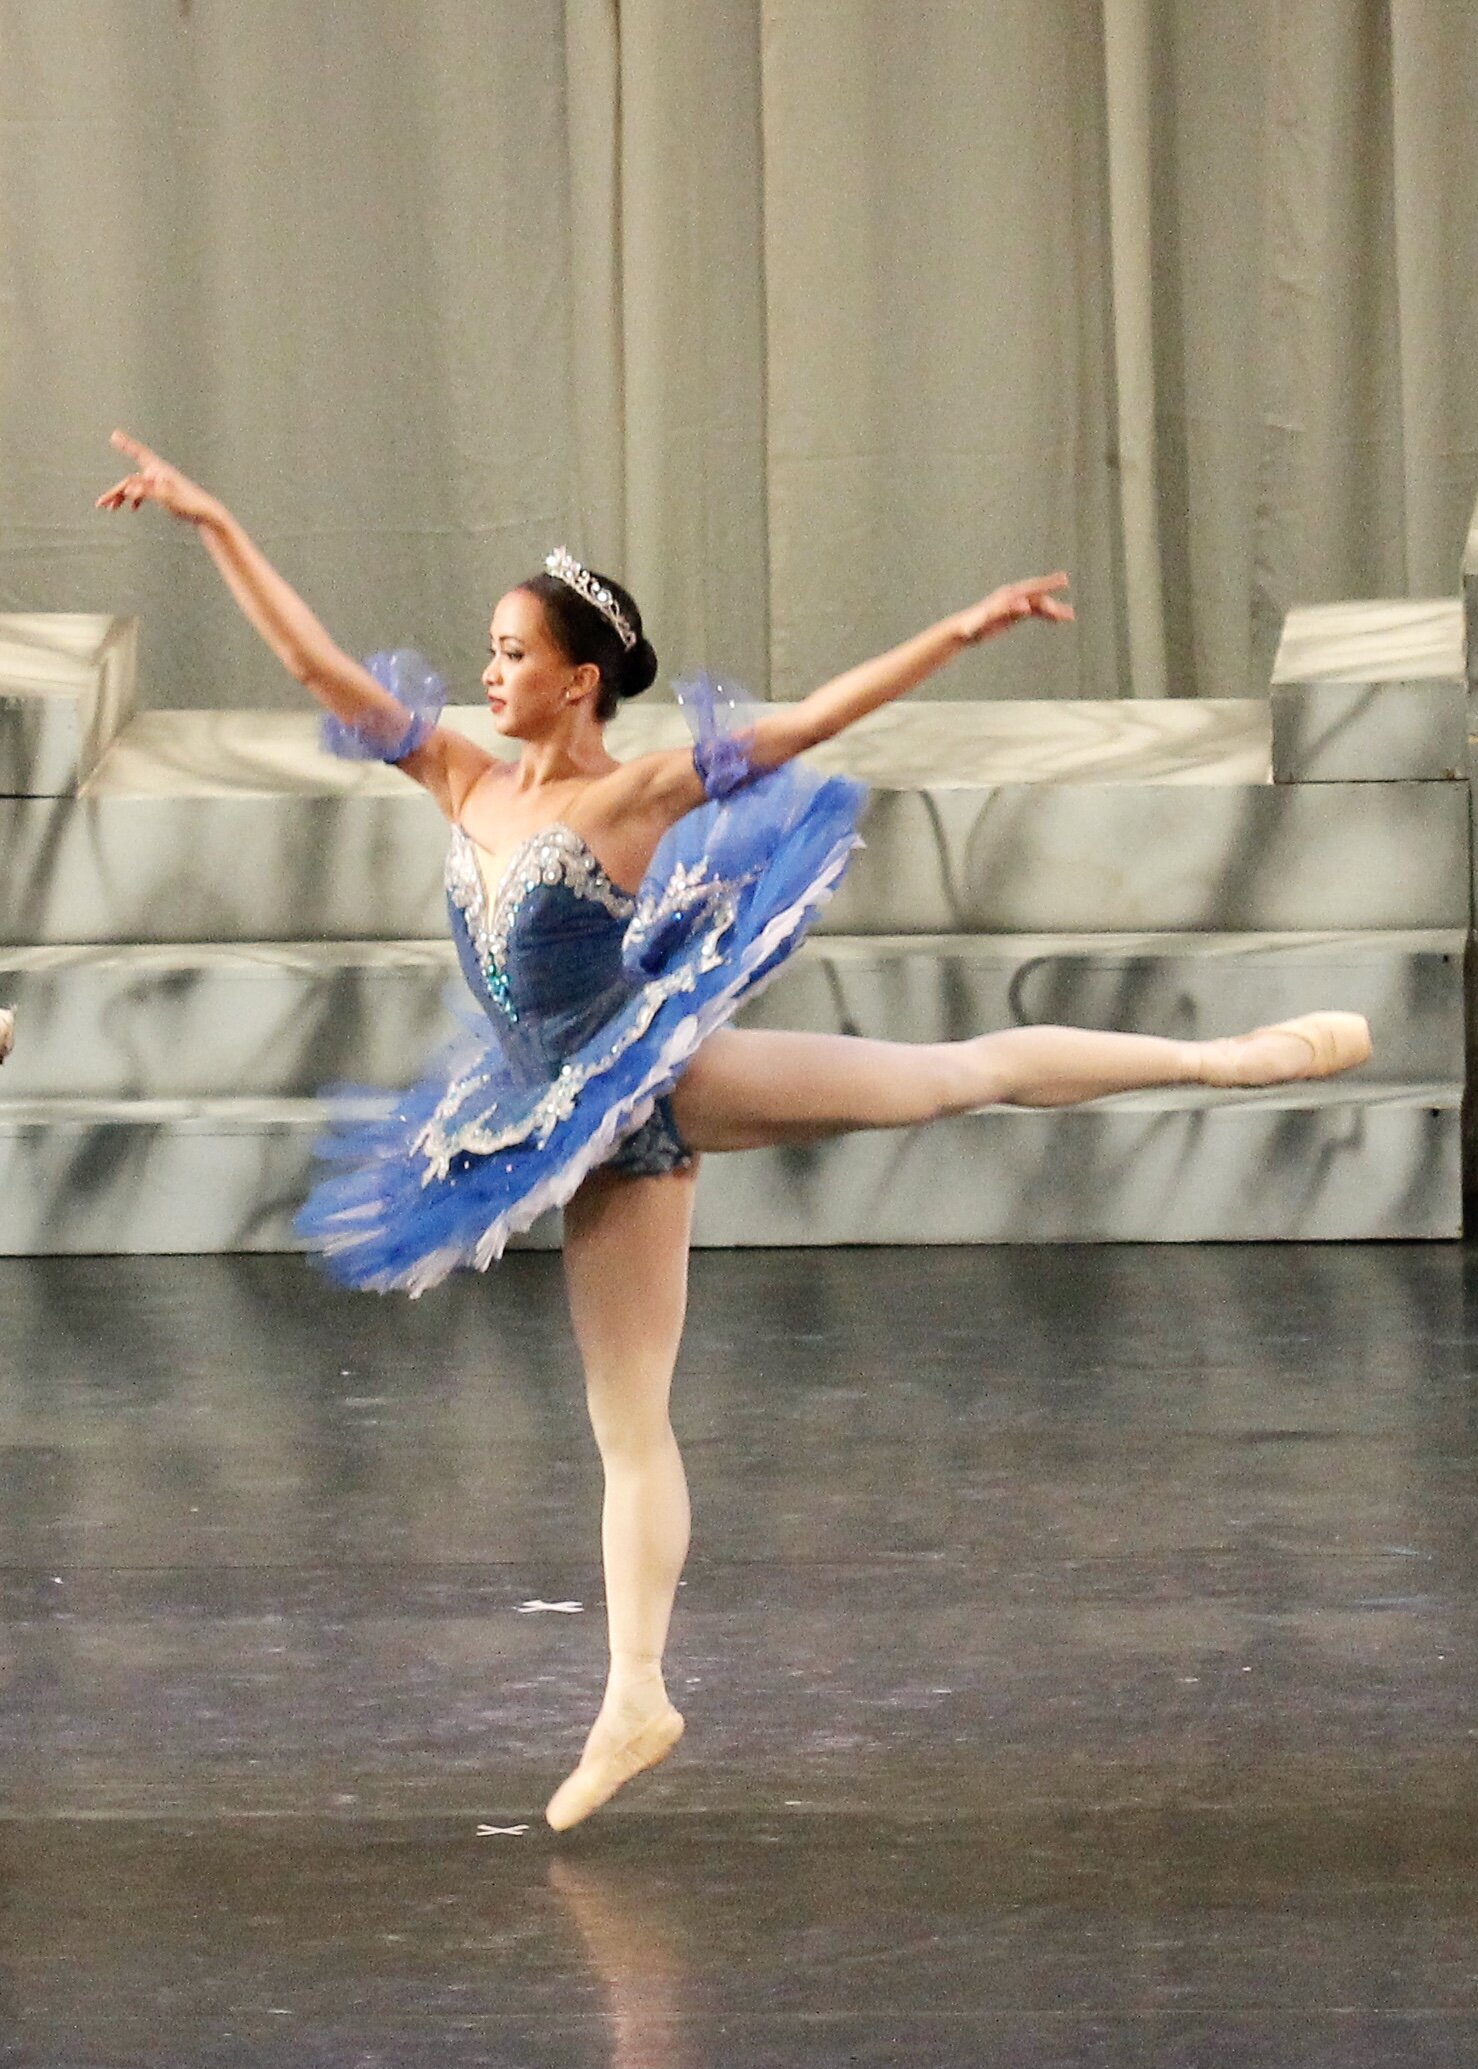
(750, 1087)
(626, 1266)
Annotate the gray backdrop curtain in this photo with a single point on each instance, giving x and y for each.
(807, 316)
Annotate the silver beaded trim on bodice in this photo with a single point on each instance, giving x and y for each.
(553, 856)
(459, 1127)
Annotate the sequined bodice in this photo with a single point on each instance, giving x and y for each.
(542, 948)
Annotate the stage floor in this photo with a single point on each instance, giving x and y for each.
(1078, 1656)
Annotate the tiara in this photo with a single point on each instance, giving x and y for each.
(564, 567)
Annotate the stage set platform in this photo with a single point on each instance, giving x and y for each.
(206, 919)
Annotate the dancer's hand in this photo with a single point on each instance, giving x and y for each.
(155, 481)
(1036, 597)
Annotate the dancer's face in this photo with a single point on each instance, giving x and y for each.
(530, 680)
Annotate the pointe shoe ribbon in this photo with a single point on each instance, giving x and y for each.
(602, 1772)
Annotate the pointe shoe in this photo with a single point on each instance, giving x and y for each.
(7, 1031)
(1339, 1041)
(1336, 1042)
(601, 1773)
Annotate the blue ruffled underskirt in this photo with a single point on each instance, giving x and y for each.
(731, 891)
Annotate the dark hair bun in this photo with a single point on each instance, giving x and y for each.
(640, 671)
(587, 634)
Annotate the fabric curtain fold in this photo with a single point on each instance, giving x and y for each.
(597, 355)
(807, 317)
(1128, 46)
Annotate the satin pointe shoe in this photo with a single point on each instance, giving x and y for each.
(7, 1031)
(1339, 1041)
(1336, 1042)
(603, 1770)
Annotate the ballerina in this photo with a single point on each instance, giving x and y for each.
(609, 917)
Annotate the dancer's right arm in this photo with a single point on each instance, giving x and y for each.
(447, 764)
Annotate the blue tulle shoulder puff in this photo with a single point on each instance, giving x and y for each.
(721, 717)
(421, 695)
(682, 891)
(760, 829)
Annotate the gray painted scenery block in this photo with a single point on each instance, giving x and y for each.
(906, 745)
(205, 1176)
(1397, 640)
(226, 918)
(1310, 1164)
(265, 1020)
(1128, 857)
(118, 868)
(1370, 732)
(1027, 858)
(935, 988)
(250, 1020)
(67, 682)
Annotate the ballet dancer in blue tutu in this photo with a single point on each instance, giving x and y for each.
(609, 917)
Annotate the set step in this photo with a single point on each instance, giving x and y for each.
(1029, 858)
(210, 920)
(1371, 692)
(272, 1020)
(1304, 1164)
(206, 826)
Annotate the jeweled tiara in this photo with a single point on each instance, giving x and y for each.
(564, 567)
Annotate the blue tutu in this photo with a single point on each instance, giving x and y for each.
(592, 1004)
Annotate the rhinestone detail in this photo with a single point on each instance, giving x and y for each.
(564, 567)
(553, 856)
(447, 1136)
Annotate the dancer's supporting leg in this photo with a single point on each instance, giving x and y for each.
(747, 1087)
(626, 1266)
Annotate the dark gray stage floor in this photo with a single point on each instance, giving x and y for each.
(1078, 1655)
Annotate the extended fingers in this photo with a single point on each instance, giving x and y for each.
(1037, 597)
(123, 443)
(1034, 597)
(1039, 587)
(134, 488)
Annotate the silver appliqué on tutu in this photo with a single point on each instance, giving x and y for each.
(552, 856)
(557, 855)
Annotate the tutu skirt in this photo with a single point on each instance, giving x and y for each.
(439, 1176)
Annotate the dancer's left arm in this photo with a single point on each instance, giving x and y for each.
(783, 731)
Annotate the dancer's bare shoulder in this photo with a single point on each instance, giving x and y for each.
(451, 767)
(623, 813)
(659, 787)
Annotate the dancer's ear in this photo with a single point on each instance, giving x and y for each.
(584, 683)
